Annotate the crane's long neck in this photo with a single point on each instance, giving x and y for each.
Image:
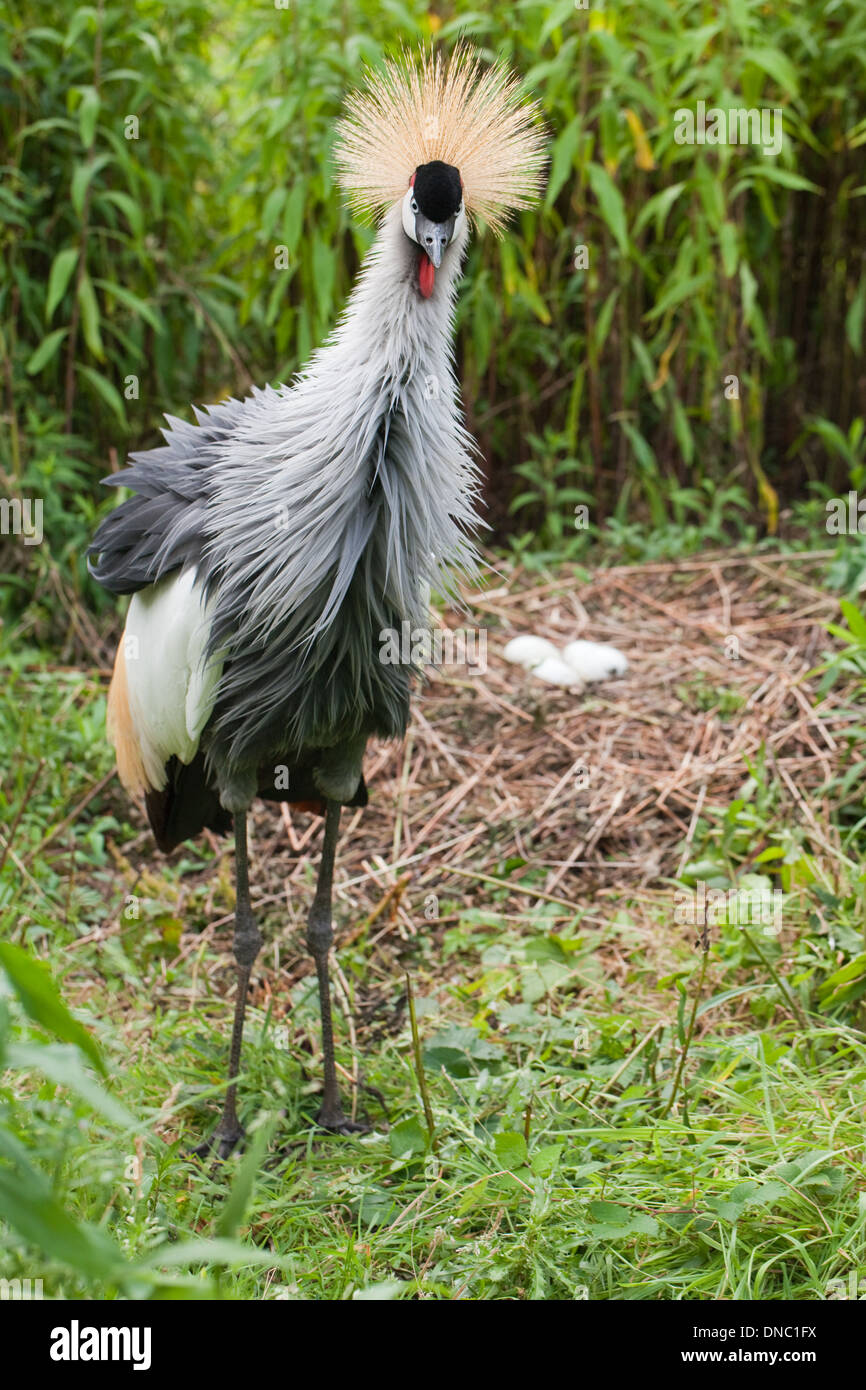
(392, 455)
(343, 499)
(389, 334)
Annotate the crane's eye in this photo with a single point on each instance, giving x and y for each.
(414, 206)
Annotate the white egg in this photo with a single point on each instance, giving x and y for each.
(555, 671)
(529, 652)
(595, 661)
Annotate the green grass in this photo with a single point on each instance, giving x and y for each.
(128, 287)
(562, 1164)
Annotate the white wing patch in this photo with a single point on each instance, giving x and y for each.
(171, 687)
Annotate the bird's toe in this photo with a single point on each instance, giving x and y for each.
(335, 1122)
(221, 1144)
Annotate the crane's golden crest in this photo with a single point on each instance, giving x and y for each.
(455, 110)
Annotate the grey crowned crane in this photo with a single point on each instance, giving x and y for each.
(270, 546)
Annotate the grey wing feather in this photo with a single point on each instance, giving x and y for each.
(162, 527)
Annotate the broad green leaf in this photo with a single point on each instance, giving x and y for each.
(293, 217)
(610, 1221)
(611, 202)
(83, 177)
(130, 209)
(510, 1150)
(64, 1067)
(530, 294)
(610, 1213)
(274, 204)
(728, 242)
(82, 19)
(88, 113)
(784, 177)
(658, 207)
(407, 1139)
(324, 271)
(562, 159)
(90, 316)
(40, 998)
(27, 1204)
(235, 1205)
(854, 317)
(106, 389)
(854, 618)
(605, 318)
(676, 293)
(219, 1250)
(59, 276)
(776, 65)
(385, 1291)
(683, 432)
(545, 1159)
(748, 290)
(45, 351)
(139, 306)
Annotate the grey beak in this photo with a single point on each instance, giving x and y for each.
(433, 237)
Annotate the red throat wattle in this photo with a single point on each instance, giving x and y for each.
(426, 275)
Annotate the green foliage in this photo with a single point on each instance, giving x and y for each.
(559, 1171)
(159, 160)
(550, 1044)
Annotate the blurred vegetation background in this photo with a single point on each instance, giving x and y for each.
(154, 157)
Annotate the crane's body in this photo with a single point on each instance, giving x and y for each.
(270, 546)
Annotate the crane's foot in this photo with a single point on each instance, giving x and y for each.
(221, 1144)
(334, 1121)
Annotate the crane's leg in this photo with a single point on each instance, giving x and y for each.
(320, 938)
(247, 943)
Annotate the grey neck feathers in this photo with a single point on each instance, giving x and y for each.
(357, 480)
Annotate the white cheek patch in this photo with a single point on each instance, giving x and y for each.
(409, 216)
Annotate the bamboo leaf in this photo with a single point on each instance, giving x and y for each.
(90, 316)
(854, 317)
(62, 267)
(139, 307)
(658, 207)
(83, 177)
(562, 160)
(130, 209)
(40, 998)
(729, 248)
(776, 65)
(605, 318)
(610, 200)
(678, 291)
(106, 389)
(642, 153)
(785, 177)
(27, 1204)
(88, 113)
(45, 351)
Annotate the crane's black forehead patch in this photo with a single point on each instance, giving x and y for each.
(438, 190)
